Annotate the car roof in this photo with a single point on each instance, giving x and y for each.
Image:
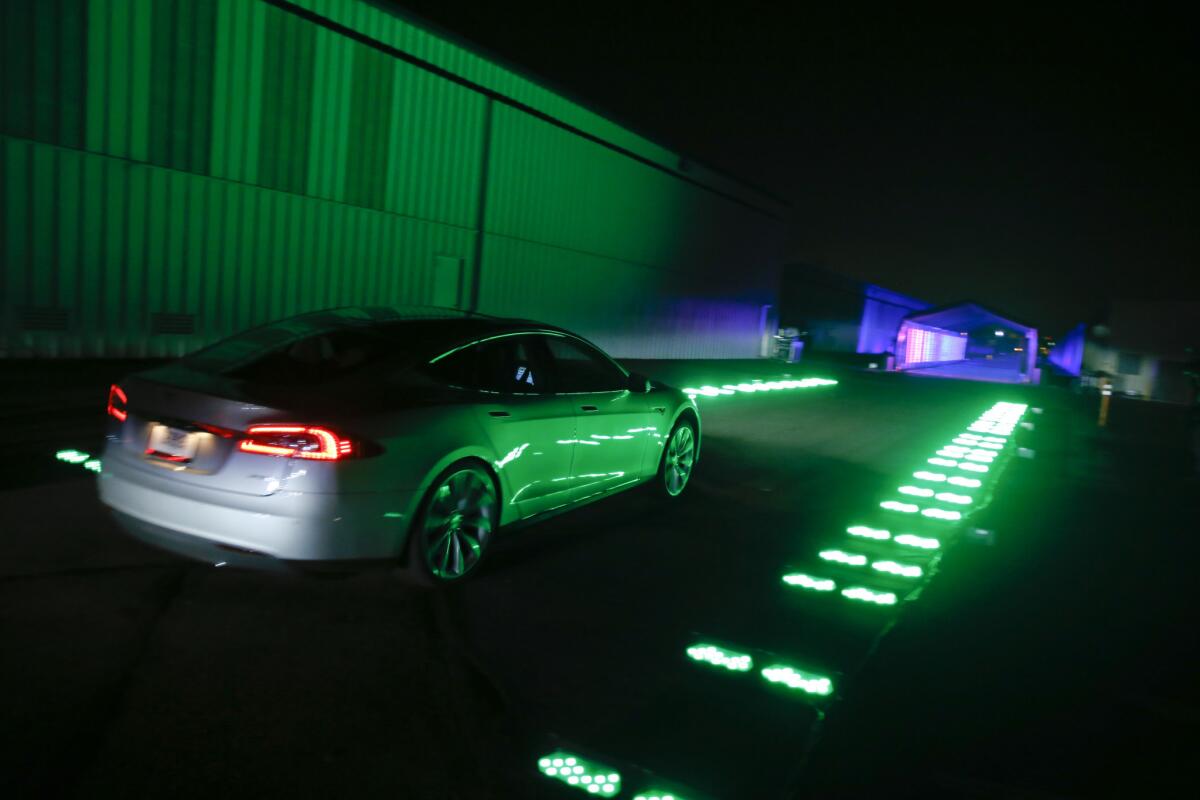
(472, 320)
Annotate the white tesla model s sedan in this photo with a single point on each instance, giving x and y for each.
(382, 433)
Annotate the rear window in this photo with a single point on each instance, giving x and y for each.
(327, 346)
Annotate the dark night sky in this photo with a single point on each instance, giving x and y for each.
(1038, 161)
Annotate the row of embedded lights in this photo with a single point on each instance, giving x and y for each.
(972, 451)
(981, 441)
(997, 422)
(756, 386)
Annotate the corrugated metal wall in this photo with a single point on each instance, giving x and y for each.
(175, 171)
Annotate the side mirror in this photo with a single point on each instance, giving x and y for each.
(638, 383)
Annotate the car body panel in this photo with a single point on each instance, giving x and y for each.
(611, 441)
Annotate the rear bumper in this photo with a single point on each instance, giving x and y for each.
(253, 531)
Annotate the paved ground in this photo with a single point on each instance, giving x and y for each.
(1055, 662)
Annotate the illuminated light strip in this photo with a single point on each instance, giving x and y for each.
(994, 439)
(580, 773)
(842, 557)
(896, 505)
(973, 436)
(809, 582)
(951, 497)
(893, 568)
(921, 542)
(793, 678)
(966, 442)
(983, 457)
(78, 457)
(720, 657)
(657, 795)
(868, 596)
(970, 483)
(757, 386)
(942, 462)
(916, 491)
(953, 452)
(868, 533)
(990, 445)
(969, 467)
(942, 514)
(922, 475)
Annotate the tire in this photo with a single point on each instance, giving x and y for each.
(678, 460)
(452, 533)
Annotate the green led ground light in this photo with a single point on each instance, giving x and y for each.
(842, 557)
(802, 581)
(756, 386)
(920, 542)
(901, 570)
(942, 462)
(969, 483)
(657, 796)
(793, 678)
(951, 497)
(970, 467)
(879, 534)
(580, 773)
(79, 457)
(865, 595)
(720, 657)
(934, 477)
(903, 508)
(942, 514)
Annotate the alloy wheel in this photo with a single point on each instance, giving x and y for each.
(458, 523)
(679, 458)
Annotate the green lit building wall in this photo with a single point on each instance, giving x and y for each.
(176, 171)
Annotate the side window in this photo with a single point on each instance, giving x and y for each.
(457, 369)
(507, 365)
(580, 368)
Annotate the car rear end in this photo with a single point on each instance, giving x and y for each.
(228, 481)
(238, 455)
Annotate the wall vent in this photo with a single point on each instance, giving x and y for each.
(172, 324)
(44, 319)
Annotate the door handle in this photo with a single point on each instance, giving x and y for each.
(499, 414)
(588, 408)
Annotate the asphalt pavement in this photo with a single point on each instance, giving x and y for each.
(1051, 657)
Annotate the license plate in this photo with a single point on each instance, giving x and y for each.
(173, 444)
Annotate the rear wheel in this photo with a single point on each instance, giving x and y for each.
(455, 526)
(678, 459)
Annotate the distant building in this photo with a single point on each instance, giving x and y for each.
(1143, 348)
(840, 314)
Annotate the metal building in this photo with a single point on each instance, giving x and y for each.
(175, 171)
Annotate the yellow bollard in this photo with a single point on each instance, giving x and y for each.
(1105, 398)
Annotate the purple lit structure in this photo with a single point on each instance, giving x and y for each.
(967, 341)
(1067, 355)
(883, 311)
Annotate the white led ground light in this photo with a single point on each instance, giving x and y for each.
(580, 773)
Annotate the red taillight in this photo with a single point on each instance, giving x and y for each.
(296, 441)
(116, 403)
